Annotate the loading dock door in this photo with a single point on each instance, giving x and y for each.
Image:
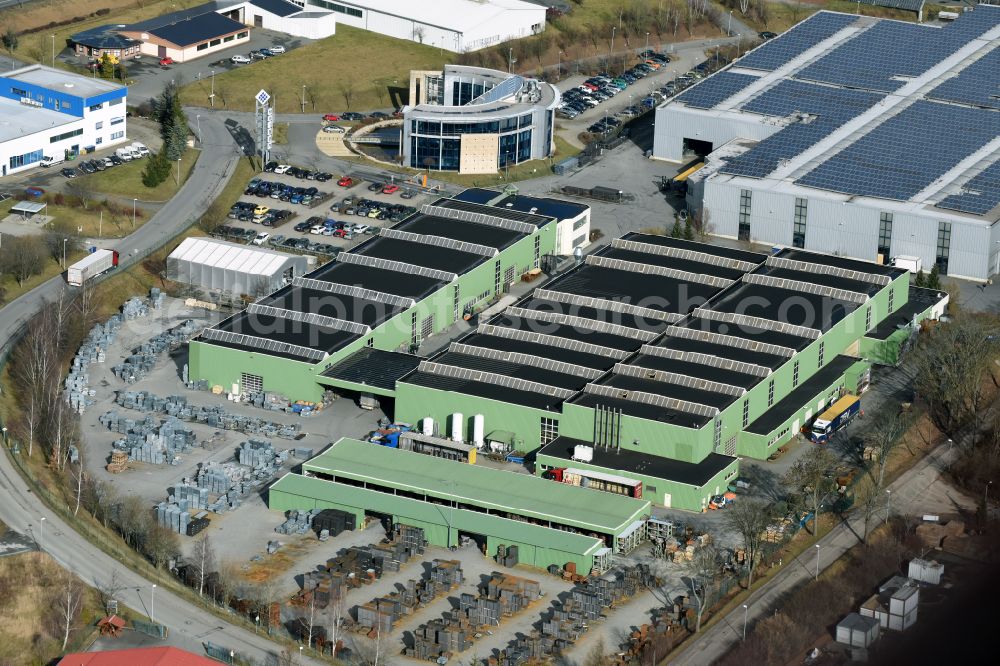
(258, 21)
(666, 500)
(161, 51)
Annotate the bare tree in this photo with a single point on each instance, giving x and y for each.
(869, 505)
(76, 475)
(161, 543)
(749, 518)
(810, 475)
(202, 561)
(883, 438)
(419, 33)
(22, 257)
(81, 190)
(346, 90)
(336, 612)
(109, 588)
(65, 605)
(701, 575)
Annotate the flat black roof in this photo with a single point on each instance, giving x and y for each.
(796, 342)
(688, 265)
(420, 254)
(803, 394)
(374, 367)
(186, 30)
(637, 462)
(325, 304)
(667, 390)
(698, 370)
(508, 369)
(824, 279)
(798, 308)
(695, 246)
(484, 390)
(536, 219)
(406, 285)
(587, 360)
(557, 208)
(530, 302)
(285, 330)
(566, 331)
(773, 361)
(641, 410)
(872, 268)
(919, 301)
(656, 292)
(468, 232)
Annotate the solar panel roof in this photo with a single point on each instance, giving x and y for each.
(597, 314)
(797, 308)
(697, 370)
(656, 292)
(555, 353)
(288, 331)
(773, 361)
(407, 285)
(766, 336)
(509, 369)
(715, 89)
(980, 195)
(691, 266)
(420, 254)
(899, 158)
(375, 367)
(908, 5)
(325, 304)
(468, 232)
(569, 332)
(695, 246)
(978, 84)
(190, 30)
(668, 390)
(506, 213)
(774, 53)
(827, 108)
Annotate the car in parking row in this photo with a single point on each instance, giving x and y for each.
(296, 172)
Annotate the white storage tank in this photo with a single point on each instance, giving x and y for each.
(457, 426)
(478, 429)
(427, 426)
(583, 453)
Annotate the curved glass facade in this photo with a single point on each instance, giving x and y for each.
(437, 144)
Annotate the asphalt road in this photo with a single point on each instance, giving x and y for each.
(919, 490)
(189, 624)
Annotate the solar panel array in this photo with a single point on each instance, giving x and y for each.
(797, 40)
(832, 107)
(980, 195)
(909, 5)
(906, 153)
(889, 49)
(497, 93)
(978, 84)
(715, 89)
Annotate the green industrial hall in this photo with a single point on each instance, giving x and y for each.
(552, 524)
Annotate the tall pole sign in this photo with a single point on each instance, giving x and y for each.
(264, 124)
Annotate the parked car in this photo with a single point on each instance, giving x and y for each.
(331, 117)
(277, 50)
(281, 168)
(352, 115)
(139, 149)
(69, 173)
(408, 194)
(378, 115)
(164, 62)
(240, 60)
(261, 238)
(260, 210)
(270, 167)
(361, 229)
(87, 167)
(766, 35)
(375, 187)
(390, 189)
(334, 129)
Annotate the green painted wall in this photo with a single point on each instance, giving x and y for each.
(221, 365)
(662, 492)
(537, 545)
(414, 403)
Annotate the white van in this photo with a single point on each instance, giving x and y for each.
(50, 160)
(139, 149)
(124, 154)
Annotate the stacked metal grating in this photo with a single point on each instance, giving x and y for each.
(215, 417)
(156, 298)
(92, 350)
(297, 522)
(333, 521)
(143, 358)
(134, 308)
(261, 455)
(147, 441)
(507, 555)
(195, 497)
(173, 517)
(435, 639)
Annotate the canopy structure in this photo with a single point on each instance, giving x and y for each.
(239, 269)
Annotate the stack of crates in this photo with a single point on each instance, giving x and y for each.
(507, 555)
(197, 524)
(412, 538)
(334, 521)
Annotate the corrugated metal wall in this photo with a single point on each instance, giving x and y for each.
(675, 122)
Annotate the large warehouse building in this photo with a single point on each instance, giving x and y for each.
(452, 25)
(850, 135)
(551, 524)
(218, 266)
(477, 120)
(46, 112)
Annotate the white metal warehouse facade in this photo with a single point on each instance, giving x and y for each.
(238, 269)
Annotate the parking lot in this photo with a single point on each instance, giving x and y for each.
(295, 209)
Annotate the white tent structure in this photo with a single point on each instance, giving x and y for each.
(216, 265)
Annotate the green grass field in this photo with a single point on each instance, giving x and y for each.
(369, 68)
(126, 180)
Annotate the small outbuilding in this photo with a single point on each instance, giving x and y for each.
(895, 605)
(858, 631)
(215, 265)
(28, 209)
(926, 571)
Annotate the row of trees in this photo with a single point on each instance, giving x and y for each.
(23, 257)
(167, 111)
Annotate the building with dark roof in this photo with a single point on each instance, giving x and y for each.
(105, 40)
(812, 140)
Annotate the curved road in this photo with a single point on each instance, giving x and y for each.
(189, 624)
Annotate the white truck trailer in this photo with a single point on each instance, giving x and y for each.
(95, 263)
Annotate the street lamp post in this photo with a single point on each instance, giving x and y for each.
(65, 240)
(5, 435)
(817, 562)
(41, 533)
(510, 60)
(198, 118)
(178, 172)
(257, 623)
(559, 67)
(134, 201)
(888, 508)
(303, 99)
(612, 52)
(746, 612)
(986, 495)
(647, 42)
(729, 26)
(152, 604)
(211, 97)
(53, 50)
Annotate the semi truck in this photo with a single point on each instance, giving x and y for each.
(837, 416)
(95, 263)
